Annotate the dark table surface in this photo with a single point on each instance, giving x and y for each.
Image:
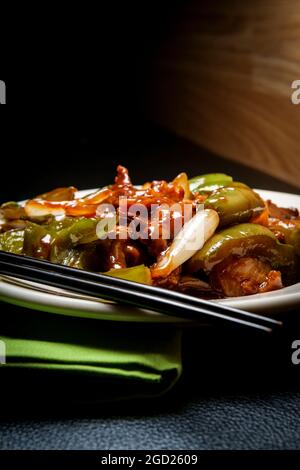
(236, 391)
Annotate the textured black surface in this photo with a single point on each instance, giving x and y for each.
(236, 392)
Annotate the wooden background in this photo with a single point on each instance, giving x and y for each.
(222, 78)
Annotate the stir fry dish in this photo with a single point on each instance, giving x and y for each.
(208, 236)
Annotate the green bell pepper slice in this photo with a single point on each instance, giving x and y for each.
(290, 231)
(246, 240)
(209, 182)
(235, 203)
(12, 241)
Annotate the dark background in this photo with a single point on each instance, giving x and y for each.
(78, 82)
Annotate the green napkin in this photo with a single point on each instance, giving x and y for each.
(117, 360)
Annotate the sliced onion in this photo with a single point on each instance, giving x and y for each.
(182, 180)
(187, 242)
(35, 208)
(86, 206)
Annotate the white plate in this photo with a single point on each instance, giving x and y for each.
(44, 298)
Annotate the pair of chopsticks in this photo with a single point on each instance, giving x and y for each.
(160, 300)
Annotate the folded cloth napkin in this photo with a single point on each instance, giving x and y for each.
(115, 360)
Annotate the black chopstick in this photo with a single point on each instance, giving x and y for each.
(120, 290)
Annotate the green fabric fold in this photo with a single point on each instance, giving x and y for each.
(117, 360)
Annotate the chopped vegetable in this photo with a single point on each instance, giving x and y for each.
(81, 232)
(37, 241)
(245, 240)
(182, 180)
(243, 276)
(59, 194)
(188, 241)
(12, 241)
(235, 204)
(139, 273)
